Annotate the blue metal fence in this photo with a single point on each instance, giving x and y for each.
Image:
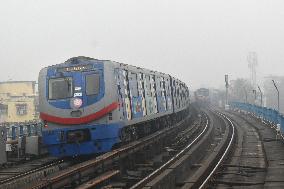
(16, 130)
(267, 114)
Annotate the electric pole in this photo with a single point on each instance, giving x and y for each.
(227, 86)
(277, 94)
(252, 63)
(260, 96)
(254, 92)
(246, 95)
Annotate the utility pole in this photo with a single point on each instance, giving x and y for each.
(227, 86)
(260, 95)
(252, 63)
(277, 94)
(246, 95)
(278, 127)
(254, 92)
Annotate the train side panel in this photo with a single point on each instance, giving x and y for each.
(143, 95)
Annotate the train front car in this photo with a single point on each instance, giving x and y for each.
(78, 107)
(202, 96)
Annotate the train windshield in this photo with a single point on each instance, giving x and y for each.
(60, 88)
(92, 84)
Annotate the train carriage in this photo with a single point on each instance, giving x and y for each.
(202, 96)
(90, 106)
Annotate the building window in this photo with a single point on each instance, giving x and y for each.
(3, 109)
(21, 109)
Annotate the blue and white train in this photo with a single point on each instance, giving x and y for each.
(92, 106)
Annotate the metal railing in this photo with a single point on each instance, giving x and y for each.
(267, 114)
(16, 130)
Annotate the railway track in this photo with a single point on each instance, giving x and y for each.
(156, 164)
(256, 159)
(17, 176)
(102, 168)
(209, 153)
(247, 165)
(222, 152)
(175, 157)
(211, 136)
(188, 145)
(14, 168)
(183, 156)
(195, 164)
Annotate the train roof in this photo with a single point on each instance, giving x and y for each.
(3, 82)
(76, 60)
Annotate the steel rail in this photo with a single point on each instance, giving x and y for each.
(172, 160)
(225, 153)
(101, 160)
(99, 180)
(29, 172)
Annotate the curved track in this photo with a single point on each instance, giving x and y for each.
(257, 159)
(182, 156)
(102, 167)
(195, 164)
(231, 138)
(166, 165)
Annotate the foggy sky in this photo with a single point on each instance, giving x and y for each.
(196, 41)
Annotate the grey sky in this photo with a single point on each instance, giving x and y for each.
(197, 41)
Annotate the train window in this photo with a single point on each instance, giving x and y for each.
(133, 84)
(60, 88)
(92, 84)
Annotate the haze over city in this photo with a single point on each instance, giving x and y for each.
(197, 41)
(142, 94)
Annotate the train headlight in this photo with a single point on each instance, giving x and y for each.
(77, 102)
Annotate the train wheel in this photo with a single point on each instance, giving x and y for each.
(125, 135)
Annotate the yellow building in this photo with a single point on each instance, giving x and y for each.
(18, 101)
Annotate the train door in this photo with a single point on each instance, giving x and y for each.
(173, 94)
(135, 98)
(178, 94)
(163, 93)
(141, 88)
(169, 94)
(127, 101)
(153, 93)
(120, 92)
(124, 92)
(148, 96)
(160, 94)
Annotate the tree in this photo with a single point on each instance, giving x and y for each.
(241, 90)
